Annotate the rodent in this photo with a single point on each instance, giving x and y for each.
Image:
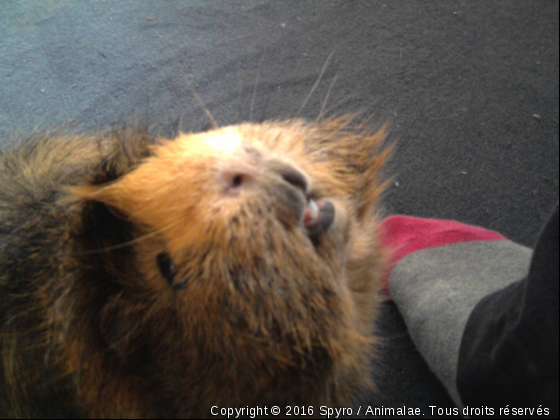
(143, 277)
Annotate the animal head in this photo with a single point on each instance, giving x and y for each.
(235, 266)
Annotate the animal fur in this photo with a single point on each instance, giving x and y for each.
(257, 312)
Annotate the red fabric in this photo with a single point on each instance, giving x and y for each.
(405, 235)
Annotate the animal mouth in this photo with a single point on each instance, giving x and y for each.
(318, 216)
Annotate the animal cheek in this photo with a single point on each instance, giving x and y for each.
(342, 220)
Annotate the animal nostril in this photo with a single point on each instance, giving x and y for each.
(290, 174)
(295, 178)
(236, 181)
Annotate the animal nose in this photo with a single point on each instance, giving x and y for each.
(242, 172)
(295, 178)
(237, 178)
(291, 175)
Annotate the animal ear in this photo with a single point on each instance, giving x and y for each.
(103, 231)
(112, 195)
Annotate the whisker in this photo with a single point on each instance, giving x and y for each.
(321, 113)
(148, 315)
(180, 124)
(143, 321)
(254, 97)
(240, 86)
(122, 245)
(201, 102)
(310, 94)
(338, 104)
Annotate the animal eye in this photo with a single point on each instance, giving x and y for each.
(166, 267)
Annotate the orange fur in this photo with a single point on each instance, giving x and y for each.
(263, 316)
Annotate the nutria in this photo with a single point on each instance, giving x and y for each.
(142, 277)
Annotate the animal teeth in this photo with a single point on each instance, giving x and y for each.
(313, 209)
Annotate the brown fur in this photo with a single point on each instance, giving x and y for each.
(263, 315)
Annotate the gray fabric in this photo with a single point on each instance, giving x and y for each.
(436, 290)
